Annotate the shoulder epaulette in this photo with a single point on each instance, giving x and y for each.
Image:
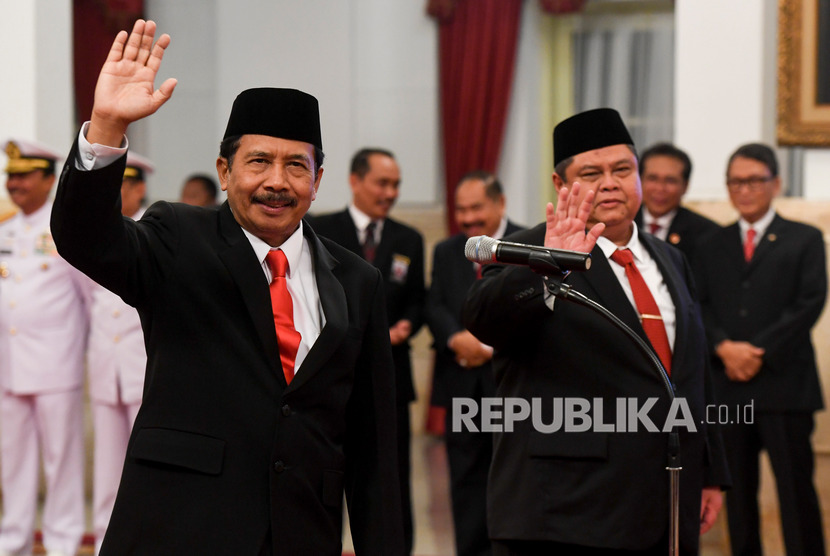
(7, 215)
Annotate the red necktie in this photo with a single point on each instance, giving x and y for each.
(288, 338)
(369, 245)
(654, 227)
(646, 306)
(749, 245)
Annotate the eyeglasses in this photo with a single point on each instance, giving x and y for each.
(753, 183)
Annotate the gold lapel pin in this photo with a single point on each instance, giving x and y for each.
(674, 239)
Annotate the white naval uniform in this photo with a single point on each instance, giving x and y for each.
(116, 360)
(43, 330)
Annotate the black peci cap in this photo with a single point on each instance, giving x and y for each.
(284, 113)
(586, 131)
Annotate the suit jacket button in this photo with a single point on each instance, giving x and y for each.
(279, 467)
(743, 313)
(286, 410)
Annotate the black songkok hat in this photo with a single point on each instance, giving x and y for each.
(284, 113)
(586, 131)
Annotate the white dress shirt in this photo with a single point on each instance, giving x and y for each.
(361, 222)
(651, 275)
(664, 223)
(760, 226)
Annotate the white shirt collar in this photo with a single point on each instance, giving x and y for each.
(501, 229)
(292, 247)
(664, 221)
(608, 247)
(361, 222)
(361, 219)
(759, 226)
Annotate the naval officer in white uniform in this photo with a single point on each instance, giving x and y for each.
(43, 331)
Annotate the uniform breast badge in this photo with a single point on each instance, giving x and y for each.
(45, 245)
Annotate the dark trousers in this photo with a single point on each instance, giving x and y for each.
(550, 548)
(404, 472)
(786, 438)
(469, 455)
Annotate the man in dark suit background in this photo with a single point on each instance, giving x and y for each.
(462, 362)
(665, 171)
(397, 250)
(763, 285)
(595, 492)
(262, 403)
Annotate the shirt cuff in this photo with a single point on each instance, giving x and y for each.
(92, 156)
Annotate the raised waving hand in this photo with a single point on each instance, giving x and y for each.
(125, 90)
(567, 222)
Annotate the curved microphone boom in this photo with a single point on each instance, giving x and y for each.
(544, 260)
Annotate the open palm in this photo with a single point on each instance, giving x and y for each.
(566, 223)
(125, 91)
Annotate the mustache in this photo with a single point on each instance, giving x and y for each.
(275, 199)
(468, 225)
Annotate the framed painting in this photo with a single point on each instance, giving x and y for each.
(804, 72)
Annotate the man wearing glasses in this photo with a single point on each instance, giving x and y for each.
(763, 284)
(665, 171)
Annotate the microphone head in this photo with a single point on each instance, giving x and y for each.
(480, 249)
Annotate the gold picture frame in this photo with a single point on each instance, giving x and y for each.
(803, 117)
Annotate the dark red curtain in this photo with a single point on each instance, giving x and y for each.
(477, 49)
(96, 22)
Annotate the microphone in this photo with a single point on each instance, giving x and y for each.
(484, 250)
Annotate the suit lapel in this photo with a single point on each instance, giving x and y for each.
(347, 233)
(383, 256)
(677, 228)
(608, 291)
(333, 301)
(239, 258)
(734, 247)
(768, 242)
(682, 307)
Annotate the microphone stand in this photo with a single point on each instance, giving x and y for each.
(545, 264)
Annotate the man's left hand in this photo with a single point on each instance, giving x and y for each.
(400, 331)
(711, 501)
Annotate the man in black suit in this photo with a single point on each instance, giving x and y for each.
(562, 489)
(763, 284)
(397, 250)
(262, 403)
(665, 171)
(462, 362)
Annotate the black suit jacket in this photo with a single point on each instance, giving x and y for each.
(686, 231)
(603, 489)
(452, 276)
(400, 258)
(225, 458)
(772, 302)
